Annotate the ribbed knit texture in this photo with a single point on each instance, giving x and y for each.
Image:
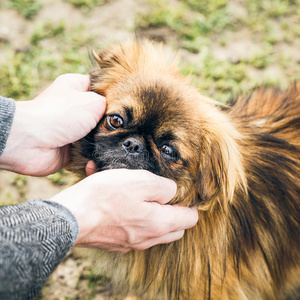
(34, 237)
(7, 110)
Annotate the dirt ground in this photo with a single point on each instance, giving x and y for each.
(110, 22)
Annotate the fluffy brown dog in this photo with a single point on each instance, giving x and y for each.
(239, 164)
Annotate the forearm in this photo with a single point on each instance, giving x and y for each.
(34, 238)
(7, 110)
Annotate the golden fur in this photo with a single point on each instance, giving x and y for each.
(240, 164)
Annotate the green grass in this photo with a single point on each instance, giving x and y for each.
(27, 8)
(18, 77)
(93, 280)
(217, 79)
(55, 49)
(190, 19)
(59, 178)
(202, 26)
(7, 199)
(86, 5)
(15, 191)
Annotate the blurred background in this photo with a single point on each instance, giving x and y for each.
(227, 47)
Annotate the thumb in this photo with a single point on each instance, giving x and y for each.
(94, 105)
(78, 82)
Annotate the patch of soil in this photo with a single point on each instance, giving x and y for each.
(71, 281)
(160, 34)
(15, 188)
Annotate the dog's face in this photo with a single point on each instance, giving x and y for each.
(138, 132)
(157, 122)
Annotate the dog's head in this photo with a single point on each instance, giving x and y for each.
(156, 121)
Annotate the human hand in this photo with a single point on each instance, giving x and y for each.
(43, 128)
(121, 210)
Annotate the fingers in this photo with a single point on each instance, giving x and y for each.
(148, 187)
(78, 82)
(96, 102)
(90, 168)
(181, 217)
(134, 215)
(84, 108)
(92, 102)
(159, 189)
(65, 156)
(170, 218)
(170, 227)
(165, 239)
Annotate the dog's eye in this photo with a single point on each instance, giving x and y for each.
(169, 152)
(115, 121)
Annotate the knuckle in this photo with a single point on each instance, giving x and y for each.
(181, 234)
(158, 230)
(142, 247)
(131, 240)
(63, 77)
(139, 248)
(123, 251)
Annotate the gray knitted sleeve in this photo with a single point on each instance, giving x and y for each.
(7, 110)
(34, 238)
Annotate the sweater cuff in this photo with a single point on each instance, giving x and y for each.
(62, 211)
(7, 111)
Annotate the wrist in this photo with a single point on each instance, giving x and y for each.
(19, 139)
(88, 217)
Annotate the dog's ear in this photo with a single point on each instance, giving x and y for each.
(221, 169)
(96, 58)
(107, 59)
(129, 59)
(113, 65)
(97, 74)
(101, 78)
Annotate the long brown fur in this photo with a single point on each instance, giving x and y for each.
(240, 164)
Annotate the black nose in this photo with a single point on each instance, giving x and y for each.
(133, 146)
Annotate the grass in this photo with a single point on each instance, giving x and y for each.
(93, 281)
(30, 8)
(191, 19)
(18, 77)
(7, 198)
(27, 8)
(55, 49)
(203, 26)
(16, 190)
(59, 178)
(217, 79)
(86, 5)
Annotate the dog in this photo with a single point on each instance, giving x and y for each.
(239, 163)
